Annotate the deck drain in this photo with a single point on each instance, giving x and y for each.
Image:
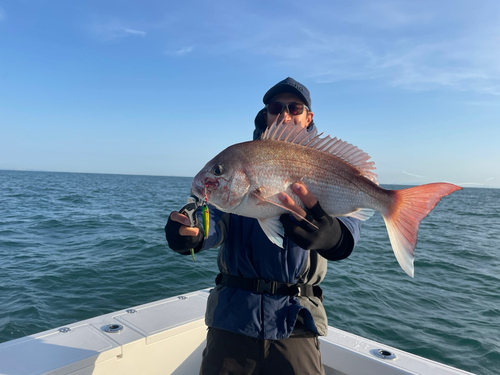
(383, 353)
(65, 330)
(112, 328)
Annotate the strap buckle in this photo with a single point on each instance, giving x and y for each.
(299, 291)
(264, 286)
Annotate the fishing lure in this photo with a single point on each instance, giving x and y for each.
(206, 214)
(206, 219)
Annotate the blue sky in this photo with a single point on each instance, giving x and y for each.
(159, 88)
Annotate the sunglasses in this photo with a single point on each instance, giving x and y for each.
(275, 108)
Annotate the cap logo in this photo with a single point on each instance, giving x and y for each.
(296, 86)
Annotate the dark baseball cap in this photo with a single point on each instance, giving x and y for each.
(288, 85)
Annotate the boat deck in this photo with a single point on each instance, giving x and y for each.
(168, 337)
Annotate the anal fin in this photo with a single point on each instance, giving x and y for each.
(362, 214)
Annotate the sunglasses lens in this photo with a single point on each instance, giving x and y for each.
(295, 109)
(274, 108)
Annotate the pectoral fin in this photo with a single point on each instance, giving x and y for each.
(273, 229)
(265, 200)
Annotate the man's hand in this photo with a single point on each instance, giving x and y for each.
(180, 235)
(328, 231)
(304, 194)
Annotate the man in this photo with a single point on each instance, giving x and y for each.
(265, 313)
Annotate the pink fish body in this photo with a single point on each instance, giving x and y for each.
(246, 178)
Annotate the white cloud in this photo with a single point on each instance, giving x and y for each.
(388, 14)
(3, 15)
(411, 174)
(413, 64)
(411, 45)
(458, 63)
(135, 32)
(180, 52)
(113, 30)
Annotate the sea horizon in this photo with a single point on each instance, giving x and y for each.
(472, 184)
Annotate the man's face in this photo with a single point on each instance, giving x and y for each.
(305, 118)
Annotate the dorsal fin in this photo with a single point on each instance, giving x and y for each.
(289, 132)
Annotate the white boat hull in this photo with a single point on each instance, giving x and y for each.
(168, 337)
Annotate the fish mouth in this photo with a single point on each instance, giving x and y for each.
(204, 187)
(196, 190)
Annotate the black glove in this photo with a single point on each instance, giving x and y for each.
(326, 236)
(182, 244)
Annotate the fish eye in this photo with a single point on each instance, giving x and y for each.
(218, 170)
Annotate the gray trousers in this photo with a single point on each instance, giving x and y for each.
(229, 353)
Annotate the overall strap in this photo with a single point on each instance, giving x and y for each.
(269, 286)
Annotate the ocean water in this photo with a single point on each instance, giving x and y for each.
(74, 246)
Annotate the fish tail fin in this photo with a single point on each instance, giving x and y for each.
(403, 217)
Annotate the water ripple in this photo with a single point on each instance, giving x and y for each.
(74, 246)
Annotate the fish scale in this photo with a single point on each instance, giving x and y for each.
(246, 178)
(275, 177)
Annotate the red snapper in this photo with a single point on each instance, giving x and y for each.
(246, 178)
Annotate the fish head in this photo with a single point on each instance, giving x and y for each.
(222, 181)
